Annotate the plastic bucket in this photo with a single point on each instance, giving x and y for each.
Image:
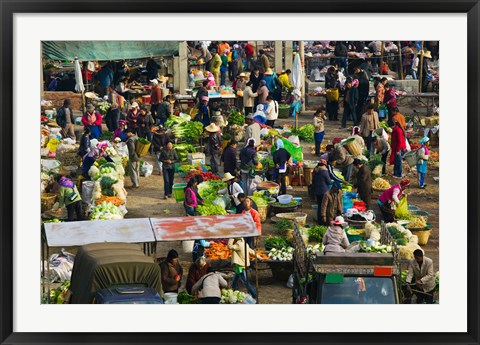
(170, 297)
(187, 246)
(178, 191)
(87, 191)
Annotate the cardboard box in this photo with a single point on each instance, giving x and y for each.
(197, 155)
(196, 162)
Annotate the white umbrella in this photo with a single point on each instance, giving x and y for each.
(297, 78)
(79, 87)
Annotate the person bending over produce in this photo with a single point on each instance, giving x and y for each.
(247, 208)
(332, 204)
(343, 161)
(389, 196)
(69, 197)
(190, 201)
(381, 146)
(423, 155)
(281, 157)
(120, 131)
(233, 188)
(92, 156)
(209, 287)
(321, 181)
(168, 157)
(196, 271)
(421, 268)
(172, 272)
(364, 182)
(335, 239)
(241, 262)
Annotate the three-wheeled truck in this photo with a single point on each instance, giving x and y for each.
(346, 278)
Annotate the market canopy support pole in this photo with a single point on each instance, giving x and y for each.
(183, 65)
(288, 55)
(176, 74)
(278, 56)
(302, 87)
(420, 70)
(400, 63)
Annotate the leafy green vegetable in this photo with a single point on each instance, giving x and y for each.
(210, 210)
(173, 120)
(290, 204)
(276, 242)
(282, 225)
(260, 201)
(143, 141)
(236, 118)
(267, 162)
(185, 298)
(316, 233)
(106, 136)
(305, 133)
(193, 130)
(106, 183)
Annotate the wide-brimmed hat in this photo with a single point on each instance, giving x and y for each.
(90, 95)
(227, 177)
(241, 75)
(217, 113)
(212, 128)
(339, 221)
(135, 105)
(427, 54)
(268, 71)
(309, 54)
(154, 81)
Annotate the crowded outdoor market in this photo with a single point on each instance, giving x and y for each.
(240, 172)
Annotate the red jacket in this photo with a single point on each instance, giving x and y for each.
(398, 142)
(249, 50)
(256, 218)
(156, 95)
(98, 120)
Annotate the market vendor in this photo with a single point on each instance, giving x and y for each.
(321, 181)
(241, 207)
(392, 196)
(94, 154)
(358, 139)
(364, 181)
(281, 158)
(120, 131)
(84, 143)
(203, 114)
(190, 202)
(70, 197)
(93, 119)
(132, 117)
(214, 145)
(253, 130)
(165, 110)
(196, 271)
(209, 287)
(381, 146)
(172, 272)
(421, 268)
(229, 157)
(66, 120)
(335, 238)
(233, 188)
(422, 155)
(201, 92)
(332, 204)
(343, 160)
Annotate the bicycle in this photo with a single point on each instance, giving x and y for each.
(415, 123)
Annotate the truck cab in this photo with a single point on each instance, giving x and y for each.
(346, 278)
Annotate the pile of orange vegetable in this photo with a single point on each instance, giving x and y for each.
(220, 251)
(112, 199)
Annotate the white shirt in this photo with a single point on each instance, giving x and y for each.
(232, 189)
(272, 110)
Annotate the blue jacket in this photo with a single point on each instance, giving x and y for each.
(271, 85)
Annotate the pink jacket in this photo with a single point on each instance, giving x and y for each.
(387, 195)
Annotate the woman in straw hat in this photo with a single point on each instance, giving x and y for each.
(214, 145)
(233, 188)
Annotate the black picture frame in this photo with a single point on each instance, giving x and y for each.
(10, 7)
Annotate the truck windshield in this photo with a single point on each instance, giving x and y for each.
(359, 290)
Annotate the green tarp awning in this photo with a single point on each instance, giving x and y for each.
(107, 50)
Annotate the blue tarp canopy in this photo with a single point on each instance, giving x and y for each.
(107, 50)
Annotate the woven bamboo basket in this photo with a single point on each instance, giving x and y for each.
(263, 210)
(423, 236)
(48, 200)
(299, 217)
(68, 158)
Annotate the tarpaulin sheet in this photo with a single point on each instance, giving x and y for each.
(131, 230)
(208, 227)
(107, 50)
(99, 266)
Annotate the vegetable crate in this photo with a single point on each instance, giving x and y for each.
(142, 149)
(68, 158)
(48, 200)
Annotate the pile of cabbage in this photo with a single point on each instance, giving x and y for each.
(229, 296)
(108, 170)
(106, 211)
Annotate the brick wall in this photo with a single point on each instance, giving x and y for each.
(57, 97)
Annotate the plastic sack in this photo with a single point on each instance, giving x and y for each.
(52, 144)
(402, 208)
(50, 165)
(295, 152)
(146, 170)
(290, 282)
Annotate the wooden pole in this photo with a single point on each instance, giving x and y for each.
(400, 67)
(302, 60)
(420, 70)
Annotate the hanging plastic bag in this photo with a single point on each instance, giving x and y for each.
(402, 208)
